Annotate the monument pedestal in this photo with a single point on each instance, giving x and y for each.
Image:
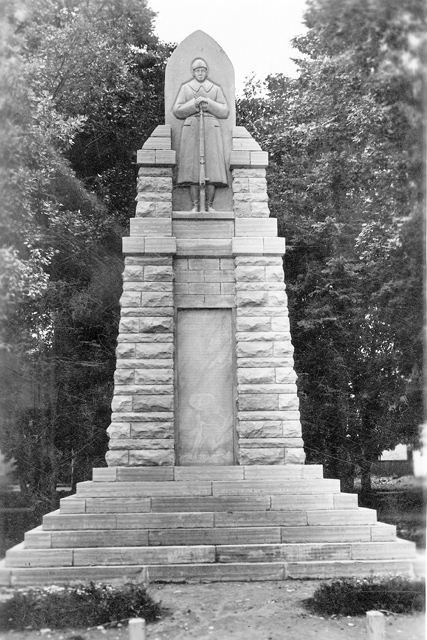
(207, 524)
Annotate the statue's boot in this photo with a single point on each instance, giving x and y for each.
(194, 195)
(210, 193)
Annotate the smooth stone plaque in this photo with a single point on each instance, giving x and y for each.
(205, 387)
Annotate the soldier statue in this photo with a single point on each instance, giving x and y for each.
(201, 161)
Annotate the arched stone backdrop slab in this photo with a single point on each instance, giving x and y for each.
(221, 72)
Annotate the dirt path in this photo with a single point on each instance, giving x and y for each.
(241, 611)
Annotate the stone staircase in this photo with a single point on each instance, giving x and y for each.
(207, 524)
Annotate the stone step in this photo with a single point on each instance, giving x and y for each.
(182, 474)
(205, 488)
(20, 556)
(75, 504)
(399, 549)
(57, 521)
(208, 572)
(56, 539)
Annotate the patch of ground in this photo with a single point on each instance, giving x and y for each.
(241, 611)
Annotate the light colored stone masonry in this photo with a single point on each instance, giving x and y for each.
(226, 260)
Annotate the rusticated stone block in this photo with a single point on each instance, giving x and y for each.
(144, 390)
(250, 274)
(154, 172)
(156, 299)
(153, 416)
(119, 430)
(240, 185)
(294, 456)
(117, 458)
(268, 415)
(124, 376)
(255, 376)
(156, 287)
(145, 337)
(125, 350)
(249, 173)
(129, 325)
(260, 323)
(277, 298)
(267, 388)
(133, 273)
(156, 325)
(151, 458)
(274, 274)
(259, 286)
(283, 349)
(151, 430)
(153, 376)
(285, 375)
(158, 273)
(130, 299)
(255, 261)
(133, 443)
(255, 336)
(155, 350)
(254, 349)
(251, 298)
(257, 185)
(265, 443)
(147, 312)
(260, 429)
(258, 402)
(280, 324)
(261, 456)
(291, 429)
(149, 403)
(149, 183)
(288, 401)
(260, 363)
(154, 196)
(121, 403)
(140, 363)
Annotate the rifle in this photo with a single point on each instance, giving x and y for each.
(202, 177)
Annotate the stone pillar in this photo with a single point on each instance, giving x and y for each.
(142, 427)
(269, 428)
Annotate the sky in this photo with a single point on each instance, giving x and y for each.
(255, 34)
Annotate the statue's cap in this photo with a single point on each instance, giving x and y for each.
(199, 62)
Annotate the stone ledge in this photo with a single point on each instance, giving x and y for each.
(139, 244)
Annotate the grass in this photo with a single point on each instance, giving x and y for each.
(353, 597)
(78, 606)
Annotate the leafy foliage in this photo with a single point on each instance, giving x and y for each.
(82, 605)
(346, 185)
(82, 88)
(354, 597)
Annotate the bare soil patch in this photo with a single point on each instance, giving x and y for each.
(240, 611)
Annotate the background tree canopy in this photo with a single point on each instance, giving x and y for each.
(346, 185)
(82, 88)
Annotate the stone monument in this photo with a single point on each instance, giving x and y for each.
(204, 362)
(206, 477)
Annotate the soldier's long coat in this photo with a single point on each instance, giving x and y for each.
(189, 150)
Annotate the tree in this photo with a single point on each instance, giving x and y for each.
(346, 188)
(82, 89)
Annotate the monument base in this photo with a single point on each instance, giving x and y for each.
(207, 524)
